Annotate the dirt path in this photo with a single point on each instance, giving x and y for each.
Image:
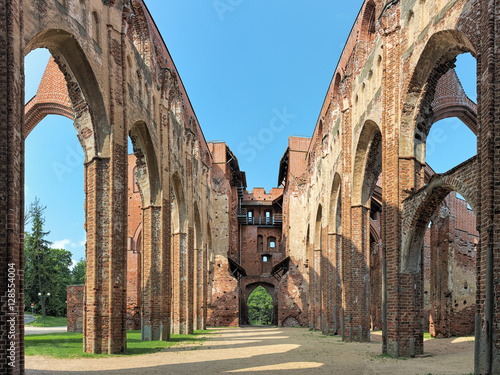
(28, 330)
(271, 351)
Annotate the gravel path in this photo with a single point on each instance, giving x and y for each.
(40, 330)
(277, 351)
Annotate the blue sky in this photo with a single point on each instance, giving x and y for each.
(242, 65)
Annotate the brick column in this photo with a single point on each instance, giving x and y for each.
(312, 283)
(198, 320)
(324, 286)
(346, 191)
(402, 302)
(317, 323)
(205, 289)
(154, 321)
(488, 261)
(166, 269)
(11, 190)
(190, 261)
(179, 283)
(358, 310)
(330, 294)
(440, 295)
(105, 294)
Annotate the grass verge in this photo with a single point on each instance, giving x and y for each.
(50, 321)
(69, 344)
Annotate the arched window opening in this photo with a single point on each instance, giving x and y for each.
(96, 30)
(271, 243)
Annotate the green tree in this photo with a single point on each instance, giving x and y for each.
(36, 256)
(60, 263)
(46, 270)
(260, 307)
(78, 273)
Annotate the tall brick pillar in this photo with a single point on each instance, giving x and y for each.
(190, 281)
(334, 283)
(358, 310)
(317, 289)
(198, 293)
(402, 302)
(312, 284)
(346, 191)
(155, 324)
(488, 255)
(11, 189)
(330, 297)
(179, 283)
(105, 294)
(440, 294)
(204, 293)
(324, 286)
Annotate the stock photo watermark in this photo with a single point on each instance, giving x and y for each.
(11, 315)
(73, 159)
(256, 143)
(224, 6)
(436, 138)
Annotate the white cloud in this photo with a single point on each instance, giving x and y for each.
(73, 264)
(62, 244)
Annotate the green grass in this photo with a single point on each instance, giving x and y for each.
(69, 344)
(50, 321)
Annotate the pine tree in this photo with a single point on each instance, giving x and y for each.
(36, 256)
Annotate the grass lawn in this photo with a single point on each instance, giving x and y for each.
(69, 344)
(50, 321)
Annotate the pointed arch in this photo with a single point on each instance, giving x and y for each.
(178, 205)
(334, 217)
(90, 116)
(437, 58)
(317, 230)
(147, 173)
(367, 163)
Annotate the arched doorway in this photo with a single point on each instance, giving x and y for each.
(247, 293)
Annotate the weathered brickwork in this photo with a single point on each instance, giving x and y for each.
(74, 305)
(347, 240)
(111, 73)
(394, 80)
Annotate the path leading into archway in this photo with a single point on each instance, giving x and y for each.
(259, 350)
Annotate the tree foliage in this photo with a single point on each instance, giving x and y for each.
(46, 270)
(78, 272)
(260, 307)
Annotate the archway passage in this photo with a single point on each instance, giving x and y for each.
(260, 307)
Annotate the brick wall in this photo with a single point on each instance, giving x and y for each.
(74, 304)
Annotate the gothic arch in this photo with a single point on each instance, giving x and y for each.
(179, 214)
(436, 60)
(90, 117)
(317, 230)
(367, 163)
(147, 173)
(419, 208)
(51, 99)
(334, 218)
(271, 289)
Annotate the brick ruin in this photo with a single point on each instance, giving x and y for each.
(343, 246)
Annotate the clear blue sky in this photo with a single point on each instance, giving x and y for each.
(242, 65)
